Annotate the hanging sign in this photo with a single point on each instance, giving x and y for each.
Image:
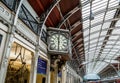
(41, 66)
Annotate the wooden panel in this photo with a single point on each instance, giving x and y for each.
(75, 30)
(54, 17)
(77, 37)
(67, 5)
(75, 17)
(37, 6)
(40, 5)
(46, 3)
(63, 27)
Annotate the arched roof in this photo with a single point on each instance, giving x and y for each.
(93, 25)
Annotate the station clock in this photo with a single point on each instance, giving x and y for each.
(58, 41)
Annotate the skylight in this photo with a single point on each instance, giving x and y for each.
(98, 42)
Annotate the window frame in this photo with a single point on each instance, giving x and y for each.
(29, 21)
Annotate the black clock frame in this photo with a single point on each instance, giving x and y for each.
(62, 32)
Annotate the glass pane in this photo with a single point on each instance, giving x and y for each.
(98, 32)
(118, 23)
(96, 28)
(94, 36)
(113, 3)
(110, 14)
(116, 31)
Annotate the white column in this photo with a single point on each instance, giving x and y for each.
(63, 74)
(56, 74)
(7, 49)
(33, 73)
(48, 72)
(6, 54)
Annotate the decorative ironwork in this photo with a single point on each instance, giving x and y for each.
(28, 19)
(45, 15)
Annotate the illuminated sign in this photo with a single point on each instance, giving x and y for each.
(41, 66)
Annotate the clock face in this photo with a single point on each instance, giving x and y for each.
(58, 42)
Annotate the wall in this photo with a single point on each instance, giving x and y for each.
(3, 30)
(22, 35)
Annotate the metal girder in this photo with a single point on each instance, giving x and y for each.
(76, 53)
(75, 44)
(75, 25)
(98, 23)
(102, 41)
(84, 19)
(76, 34)
(80, 45)
(99, 47)
(116, 27)
(96, 13)
(79, 40)
(58, 6)
(106, 37)
(101, 59)
(102, 11)
(68, 15)
(102, 53)
(103, 37)
(45, 15)
(85, 63)
(109, 33)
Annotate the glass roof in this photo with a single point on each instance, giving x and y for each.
(98, 17)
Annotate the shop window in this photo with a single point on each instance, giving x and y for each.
(44, 36)
(19, 65)
(0, 39)
(28, 19)
(12, 4)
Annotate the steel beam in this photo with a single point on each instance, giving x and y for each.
(84, 19)
(100, 61)
(45, 15)
(58, 6)
(70, 13)
(98, 23)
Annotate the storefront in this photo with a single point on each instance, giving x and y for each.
(19, 65)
